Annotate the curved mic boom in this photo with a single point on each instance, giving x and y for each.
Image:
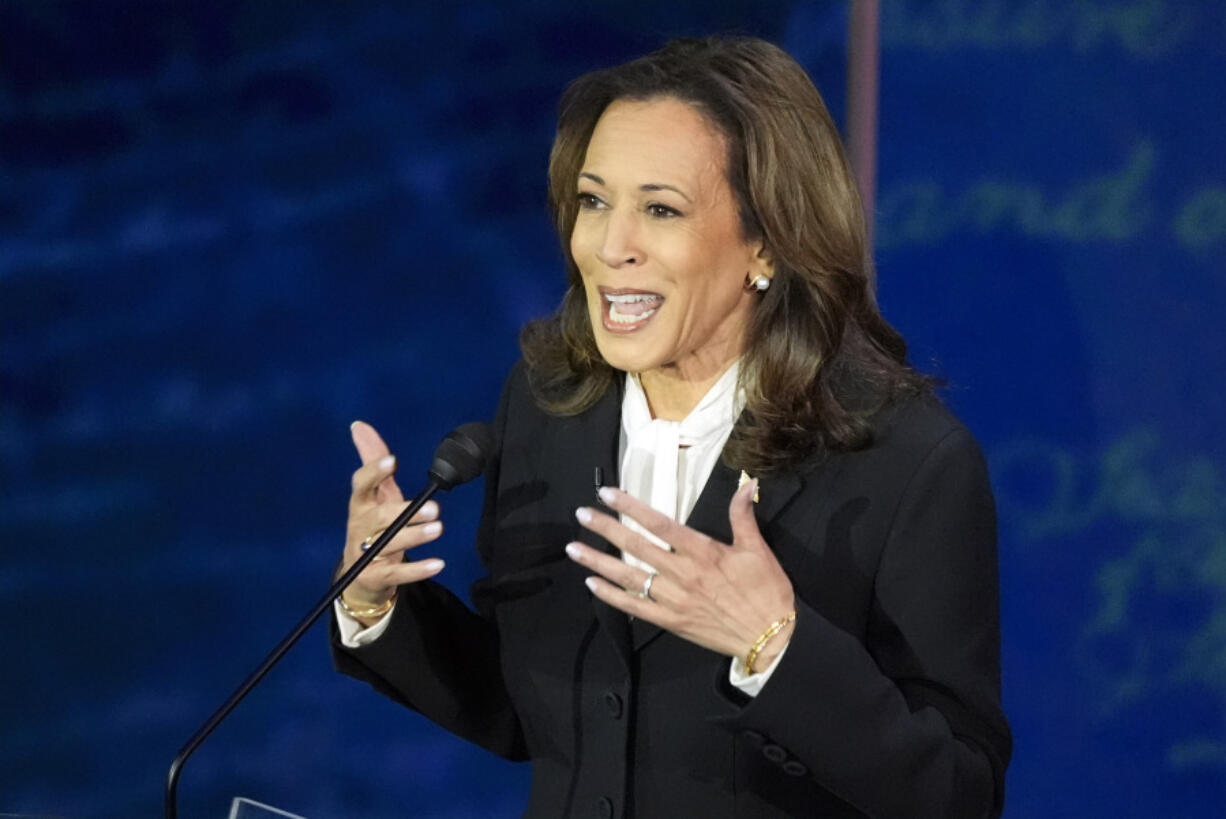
(462, 456)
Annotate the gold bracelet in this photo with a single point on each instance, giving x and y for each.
(773, 629)
(370, 613)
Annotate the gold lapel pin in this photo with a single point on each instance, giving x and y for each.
(746, 478)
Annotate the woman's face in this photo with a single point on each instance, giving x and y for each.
(658, 242)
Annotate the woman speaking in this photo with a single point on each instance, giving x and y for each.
(782, 599)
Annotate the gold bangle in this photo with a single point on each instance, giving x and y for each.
(370, 613)
(771, 630)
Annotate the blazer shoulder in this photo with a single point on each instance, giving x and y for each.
(914, 426)
(907, 435)
(518, 405)
(516, 387)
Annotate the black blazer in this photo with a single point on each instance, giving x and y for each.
(886, 704)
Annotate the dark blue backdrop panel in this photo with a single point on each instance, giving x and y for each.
(229, 229)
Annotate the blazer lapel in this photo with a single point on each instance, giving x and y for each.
(710, 516)
(589, 443)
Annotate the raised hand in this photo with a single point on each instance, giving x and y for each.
(722, 597)
(375, 502)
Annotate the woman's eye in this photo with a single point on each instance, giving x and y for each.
(662, 211)
(588, 201)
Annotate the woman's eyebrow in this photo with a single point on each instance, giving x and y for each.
(651, 186)
(658, 187)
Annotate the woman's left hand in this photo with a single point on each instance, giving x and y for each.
(719, 596)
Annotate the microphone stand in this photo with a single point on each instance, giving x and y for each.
(325, 602)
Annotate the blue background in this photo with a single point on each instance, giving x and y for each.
(228, 229)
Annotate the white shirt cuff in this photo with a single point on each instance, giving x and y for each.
(356, 635)
(752, 684)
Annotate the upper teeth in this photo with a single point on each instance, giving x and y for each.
(630, 298)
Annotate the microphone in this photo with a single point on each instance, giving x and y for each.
(461, 456)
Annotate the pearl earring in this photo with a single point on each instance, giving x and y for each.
(759, 282)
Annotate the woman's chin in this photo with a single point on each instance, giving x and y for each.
(628, 350)
(622, 353)
(626, 363)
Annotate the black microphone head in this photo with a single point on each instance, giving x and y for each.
(463, 455)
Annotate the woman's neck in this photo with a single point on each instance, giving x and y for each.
(673, 394)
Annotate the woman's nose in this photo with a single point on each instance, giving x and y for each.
(619, 246)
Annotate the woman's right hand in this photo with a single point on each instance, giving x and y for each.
(377, 501)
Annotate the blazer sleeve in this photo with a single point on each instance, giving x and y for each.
(438, 656)
(906, 722)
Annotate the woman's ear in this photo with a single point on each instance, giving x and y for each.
(761, 271)
(763, 263)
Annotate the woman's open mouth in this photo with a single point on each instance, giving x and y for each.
(625, 311)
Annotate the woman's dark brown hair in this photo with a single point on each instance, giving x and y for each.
(819, 359)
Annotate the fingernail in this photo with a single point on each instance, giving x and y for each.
(352, 425)
(432, 529)
(606, 494)
(583, 514)
(573, 550)
(433, 565)
(430, 510)
(387, 463)
(590, 583)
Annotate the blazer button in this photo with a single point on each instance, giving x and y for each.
(795, 768)
(614, 704)
(774, 753)
(604, 807)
